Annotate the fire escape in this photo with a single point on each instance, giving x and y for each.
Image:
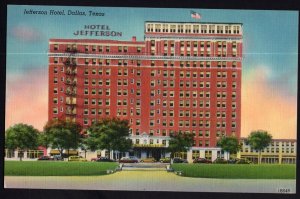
(71, 83)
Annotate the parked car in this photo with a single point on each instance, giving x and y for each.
(233, 161)
(165, 160)
(179, 160)
(94, 159)
(58, 157)
(104, 159)
(129, 160)
(148, 160)
(45, 158)
(243, 161)
(77, 158)
(202, 160)
(220, 161)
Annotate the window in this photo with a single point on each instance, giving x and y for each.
(234, 85)
(207, 74)
(234, 95)
(233, 124)
(234, 74)
(137, 122)
(171, 93)
(172, 83)
(107, 92)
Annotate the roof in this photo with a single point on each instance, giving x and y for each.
(278, 140)
(95, 41)
(231, 23)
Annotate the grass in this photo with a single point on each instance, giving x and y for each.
(237, 171)
(56, 168)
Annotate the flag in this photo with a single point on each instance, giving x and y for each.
(195, 15)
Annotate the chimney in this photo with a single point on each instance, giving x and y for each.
(134, 38)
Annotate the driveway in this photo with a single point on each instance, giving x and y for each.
(150, 180)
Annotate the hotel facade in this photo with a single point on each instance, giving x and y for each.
(184, 76)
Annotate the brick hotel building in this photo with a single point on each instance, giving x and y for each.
(184, 76)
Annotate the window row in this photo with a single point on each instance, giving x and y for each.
(196, 28)
(151, 141)
(98, 48)
(94, 91)
(94, 71)
(124, 82)
(187, 64)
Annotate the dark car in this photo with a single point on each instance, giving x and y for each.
(233, 161)
(128, 160)
(58, 157)
(243, 161)
(45, 158)
(104, 159)
(165, 160)
(202, 160)
(179, 160)
(220, 161)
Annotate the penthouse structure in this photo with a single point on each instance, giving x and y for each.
(184, 77)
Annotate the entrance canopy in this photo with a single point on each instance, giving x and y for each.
(149, 146)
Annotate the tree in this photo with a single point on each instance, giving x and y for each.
(180, 142)
(109, 134)
(21, 137)
(43, 140)
(259, 140)
(229, 144)
(63, 134)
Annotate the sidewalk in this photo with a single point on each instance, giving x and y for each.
(150, 181)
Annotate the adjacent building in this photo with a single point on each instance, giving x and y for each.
(280, 151)
(184, 77)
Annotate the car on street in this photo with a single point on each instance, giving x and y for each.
(45, 157)
(165, 160)
(243, 161)
(202, 160)
(94, 159)
(233, 160)
(104, 159)
(220, 161)
(148, 160)
(77, 158)
(130, 159)
(58, 157)
(179, 160)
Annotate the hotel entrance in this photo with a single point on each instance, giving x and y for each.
(149, 152)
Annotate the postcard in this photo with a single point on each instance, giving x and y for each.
(151, 99)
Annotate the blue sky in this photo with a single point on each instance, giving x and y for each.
(270, 39)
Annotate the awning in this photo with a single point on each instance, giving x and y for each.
(71, 152)
(149, 146)
(56, 152)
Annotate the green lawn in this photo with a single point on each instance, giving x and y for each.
(237, 171)
(56, 168)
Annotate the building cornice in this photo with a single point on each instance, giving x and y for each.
(143, 57)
